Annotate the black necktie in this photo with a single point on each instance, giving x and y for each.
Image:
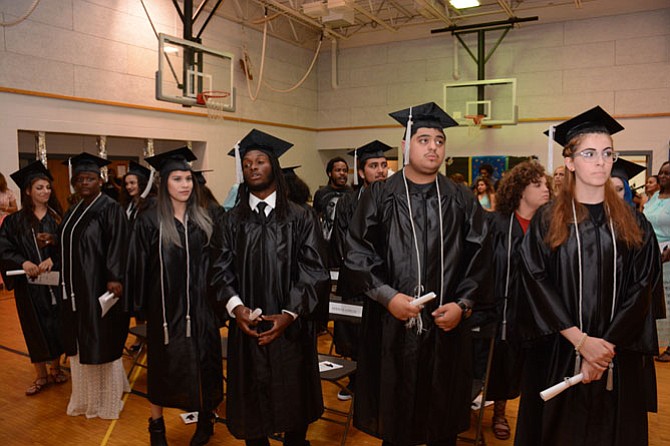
(261, 209)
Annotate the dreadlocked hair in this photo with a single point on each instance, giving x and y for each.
(281, 189)
(616, 209)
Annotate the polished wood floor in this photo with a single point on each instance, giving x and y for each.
(41, 419)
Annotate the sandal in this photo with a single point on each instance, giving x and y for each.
(38, 385)
(664, 357)
(57, 376)
(501, 429)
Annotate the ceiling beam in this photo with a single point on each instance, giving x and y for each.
(301, 17)
(371, 16)
(505, 7)
(439, 14)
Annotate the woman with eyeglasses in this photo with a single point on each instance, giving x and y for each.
(657, 211)
(590, 263)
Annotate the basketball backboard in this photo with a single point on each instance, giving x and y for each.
(188, 72)
(493, 98)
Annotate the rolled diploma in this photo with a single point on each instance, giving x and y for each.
(552, 391)
(15, 272)
(255, 314)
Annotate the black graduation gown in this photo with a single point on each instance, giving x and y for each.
(587, 414)
(507, 365)
(346, 335)
(273, 265)
(36, 305)
(187, 372)
(411, 388)
(93, 256)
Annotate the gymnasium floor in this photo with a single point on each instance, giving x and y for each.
(41, 419)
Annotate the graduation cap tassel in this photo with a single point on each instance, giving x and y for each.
(355, 167)
(74, 305)
(149, 184)
(610, 377)
(69, 174)
(578, 363)
(503, 334)
(238, 164)
(408, 137)
(166, 337)
(188, 326)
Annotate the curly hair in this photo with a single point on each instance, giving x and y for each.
(513, 184)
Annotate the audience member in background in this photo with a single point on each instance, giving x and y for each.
(657, 211)
(111, 187)
(298, 190)
(559, 176)
(28, 242)
(266, 255)
(589, 292)
(325, 199)
(134, 195)
(651, 186)
(167, 282)
(207, 199)
(7, 199)
(371, 166)
(622, 171)
(486, 171)
(458, 179)
(94, 238)
(413, 234)
(520, 194)
(485, 194)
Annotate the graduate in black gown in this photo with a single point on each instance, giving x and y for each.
(416, 233)
(266, 255)
(207, 198)
(28, 242)
(371, 164)
(589, 291)
(93, 240)
(521, 192)
(167, 281)
(138, 192)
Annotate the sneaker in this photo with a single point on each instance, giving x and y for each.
(344, 395)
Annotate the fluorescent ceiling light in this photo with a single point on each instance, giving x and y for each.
(462, 4)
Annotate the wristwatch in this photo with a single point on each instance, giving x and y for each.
(467, 309)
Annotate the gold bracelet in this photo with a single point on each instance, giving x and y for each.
(581, 342)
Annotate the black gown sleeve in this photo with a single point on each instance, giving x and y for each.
(139, 251)
(222, 284)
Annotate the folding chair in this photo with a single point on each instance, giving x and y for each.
(335, 376)
(140, 332)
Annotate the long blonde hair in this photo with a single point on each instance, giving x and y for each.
(623, 217)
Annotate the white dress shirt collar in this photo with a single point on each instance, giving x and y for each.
(270, 200)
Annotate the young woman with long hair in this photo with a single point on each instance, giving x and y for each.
(28, 242)
(167, 281)
(134, 195)
(485, 194)
(590, 263)
(657, 210)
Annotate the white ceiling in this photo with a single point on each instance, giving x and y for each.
(380, 21)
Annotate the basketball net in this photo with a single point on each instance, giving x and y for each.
(474, 123)
(216, 102)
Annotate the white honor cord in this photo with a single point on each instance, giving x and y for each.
(614, 285)
(188, 280)
(509, 260)
(74, 306)
(166, 337)
(39, 256)
(418, 319)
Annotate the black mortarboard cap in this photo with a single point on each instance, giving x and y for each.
(200, 177)
(177, 159)
(85, 162)
(428, 115)
(290, 170)
(36, 169)
(625, 169)
(374, 149)
(257, 140)
(138, 170)
(593, 120)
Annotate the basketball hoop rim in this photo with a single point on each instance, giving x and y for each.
(476, 119)
(206, 95)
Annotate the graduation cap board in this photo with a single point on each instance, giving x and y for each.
(374, 149)
(177, 159)
(593, 120)
(200, 177)
(36, 169)
(428, 115)
(85, 162)
(290, 171)
(138, 170)
(257, 140)
(626, 170)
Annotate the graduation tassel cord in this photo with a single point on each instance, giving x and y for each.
(39, 256)
(166, 336)
(503, 328)
(188, 280)
(74, 305)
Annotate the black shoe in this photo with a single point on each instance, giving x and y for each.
(157, 432)
(204, 430)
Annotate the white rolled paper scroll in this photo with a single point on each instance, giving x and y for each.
(552, 391)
